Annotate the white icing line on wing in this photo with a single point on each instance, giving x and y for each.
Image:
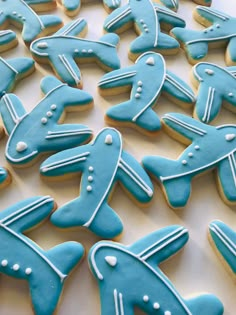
(232, 164)
(180, 87)
(35, 15)
(118, 18)
(11, 109)
(117, 77)
(72, 26)
(224, 238)
(220, 15)
(121, 304)
(69, 68)
(210, 99)
(67, 133)
(8, 65)
(116, 302)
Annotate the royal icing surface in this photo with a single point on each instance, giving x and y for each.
(7, 40)
(38, 131)
(63, 50)
(22, 258)
(174, 4)
(146, 88)
(211, 148)
(90, 209)
(224, 239)
(129, 276)
(12, 70)
(222, 29)
(19, 12)
(147, 17)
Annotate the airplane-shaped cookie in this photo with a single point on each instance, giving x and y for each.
(147, 17)
(103, 162)
(208, 78)
(220, 31)
(38, 131)
(18, 12)
(129, 276)
(5, 177)
(223, 238)
(8, 40)
(148, 78)
(22, 258)
(63, 50)
(174, 4)
(13, 70)
(211, 148)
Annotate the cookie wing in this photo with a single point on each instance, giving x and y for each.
(118, 18)
(73, 28)
(210, 16)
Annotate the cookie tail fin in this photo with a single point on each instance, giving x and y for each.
(108, 55)
(205, 304)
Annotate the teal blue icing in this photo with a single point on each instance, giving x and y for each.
(211, 92)
(211, 148)
(224, 239)
(102, 163)
(22, 258)
(147, 17)
(38, 131)
(63, 50)
(18, 11)
(13, 70)
(129, 276)
(146, 87)
(174, 4)
(6, 37)
(3, 175)
(222, 29)
(71, 5)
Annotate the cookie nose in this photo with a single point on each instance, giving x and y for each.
(108, 139)
(42, 45)
(21, 146)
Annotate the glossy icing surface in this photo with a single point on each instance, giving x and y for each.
(211, 148)
(42, 122)
(122, 286)
(6, 38)
(174, 4)
(91, 208)
(146, 88)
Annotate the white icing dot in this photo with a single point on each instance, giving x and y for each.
(205, 31)
(146, 30)
(156, 306)
(49, 114)
(19, 15)
(196, 147)
(230, 137)
(167, 313)
(14, 13)
(16, 267)
(23, 19)
(139, 89)
(42, 45)
(4, 262)
(137, 95)
(190, 154)
(218, 25)
(90, 51)
(44, 120)
(90, 169)
(108, 139)
(53, 106)
(145, 298)
(90, 178)
(21, 146)
(211, 29)
(230, 94)
(84, 50)
(145, 25)
(141, 21)
(111, 260)
(209, 71)
(140, 83)
(76, 50)
(184, 162)
(28, 271)
(89, 188)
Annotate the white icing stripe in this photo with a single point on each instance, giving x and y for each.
(232, 164)
(192, 128)
(72, 26)
(11, 108)
(121, 304)
(209, 39)
(69, 68)
(174, 2)
(35, 15)
(118, 18)
(156, 26)
(2, 172)
(118, 77)
(116, 302)
(160, 241)
(68, 133)
(217, 14)
(164, 178)
(159, 9)
(224, 238)
(65, 162)
(3, 33)
(210, 99)
(135, 177)
(158, 275)
(19, 159)
(180, 87)
(9, 66)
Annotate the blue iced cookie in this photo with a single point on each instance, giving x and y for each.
(8, 40)
(220, 30)
(147, 17)
(5, 177)
(39, 131)
(223, 239)
(21, 258)
(102, 163)
(64, 49)
(129, 276)
(174, 4)
(209, 147)
(148, 78)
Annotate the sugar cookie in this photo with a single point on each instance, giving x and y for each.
(148, 78)
(220, 30)
(130, 276)
(8, 40)
(211, 147)
(42, 5)
(174, 4)
(63, 50)
(147, 17)
(22, 258)
(208, 78)
(37, 132)
(223, 239)
(103, 162)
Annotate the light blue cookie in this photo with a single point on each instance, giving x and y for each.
(148, 78)
(7, 40)
(103, 163)
(64, 49)
(211, 148)
(21, 258)
(174, 4)
(129, 276)
(39, 131)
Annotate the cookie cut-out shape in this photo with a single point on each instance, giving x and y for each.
(102, 164)
(22, 258)
(210, 149)
(212, 94)
(18, 12)
(148, 78)
(63, 50)
(223, 239)
(123, 286)
(8, 40)
(220, 30)
(147, 17)
(174, 4)
(13, 70)
(39, 131)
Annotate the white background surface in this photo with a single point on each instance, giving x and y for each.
(194, 270)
